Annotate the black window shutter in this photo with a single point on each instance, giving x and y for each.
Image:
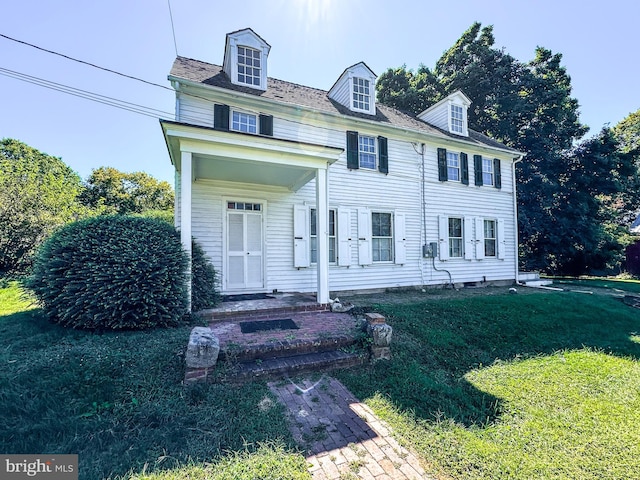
(221, 117)
(442, 165)
(383, 155)
(477, 167)
(464, 168)
(266, 125)
(496, 173)
(352, 150)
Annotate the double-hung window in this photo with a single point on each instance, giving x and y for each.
(249, 68)
(455, 238)
(313, 237)
(361, 94)
(453, 166)
(367, 151)
(489, 238)
(381, 237)
(457, 119)
(244, 122)
(487, 171)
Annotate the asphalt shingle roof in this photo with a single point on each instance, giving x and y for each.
(291, 93)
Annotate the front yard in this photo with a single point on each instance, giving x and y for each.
(542, 385)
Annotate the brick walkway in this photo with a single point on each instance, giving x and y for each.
(343, 437)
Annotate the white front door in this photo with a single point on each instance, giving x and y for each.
(244, 246)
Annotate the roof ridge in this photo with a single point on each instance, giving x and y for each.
(269, 78)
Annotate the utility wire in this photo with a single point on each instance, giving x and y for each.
(114, 102)
(173, 29)
(87, 63)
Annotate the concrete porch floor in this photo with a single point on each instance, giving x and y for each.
(274, 305)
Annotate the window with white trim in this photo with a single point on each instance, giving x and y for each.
(244, 122)
(367, 152)
(453, 166)
(457, 119)
(381, 237)
(361, 94)
(490, 238)
(455, 237)
(249, 68)
(487, 171)
(313, 236)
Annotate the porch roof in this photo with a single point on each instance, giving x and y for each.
(246, 158)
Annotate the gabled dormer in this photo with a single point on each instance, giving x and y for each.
(245, 59)
(449, 114)
(356, 89)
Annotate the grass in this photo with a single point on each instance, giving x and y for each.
(543, 385)
(117, 401)
(626, 285)
(513, 386)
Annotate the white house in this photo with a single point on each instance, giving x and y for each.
(292, 188)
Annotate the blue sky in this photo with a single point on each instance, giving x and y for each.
(312, 42)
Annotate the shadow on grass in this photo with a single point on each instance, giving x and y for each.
(440, 340)
(116, 400)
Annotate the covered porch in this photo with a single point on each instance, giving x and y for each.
(202, 153)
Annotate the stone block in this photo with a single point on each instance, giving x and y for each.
(380, 334)
(203, 348)
(374, 318)
(380, 353)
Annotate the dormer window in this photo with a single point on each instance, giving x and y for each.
(245, 59)
(457, 119)
(361, 95)
(449, 114)
(354, 89)
(249, 66)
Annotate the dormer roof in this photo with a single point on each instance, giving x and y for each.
(245, 59)
(450, 113)
(355, 89)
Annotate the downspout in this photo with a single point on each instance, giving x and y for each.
(515, 216)
(424, 219)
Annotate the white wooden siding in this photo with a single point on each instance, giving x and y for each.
(350, 191)
(195, 111)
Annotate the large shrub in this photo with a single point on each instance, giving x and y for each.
(204, 283)
(112, 272)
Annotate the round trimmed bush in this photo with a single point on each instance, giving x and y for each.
(111, 273)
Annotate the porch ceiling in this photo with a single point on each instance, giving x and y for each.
(246, 158)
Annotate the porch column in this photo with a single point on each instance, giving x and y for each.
(322, 212)
(185, 213)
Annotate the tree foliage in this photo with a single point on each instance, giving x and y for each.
(38, 193)
(564, 187)
(109, 190)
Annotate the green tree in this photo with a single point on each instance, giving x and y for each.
(627, 132)
(562, 191)
(38, 193)
(109, 190)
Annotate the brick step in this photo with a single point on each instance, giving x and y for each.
(280, 367)
(284, 348)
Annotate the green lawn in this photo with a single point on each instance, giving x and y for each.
(544, 385)
(614, 284)
(513, 386)
(117, 401)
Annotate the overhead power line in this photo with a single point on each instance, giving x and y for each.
(96, 97)
(131, 77)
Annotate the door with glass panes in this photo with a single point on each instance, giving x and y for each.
(244, 265)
